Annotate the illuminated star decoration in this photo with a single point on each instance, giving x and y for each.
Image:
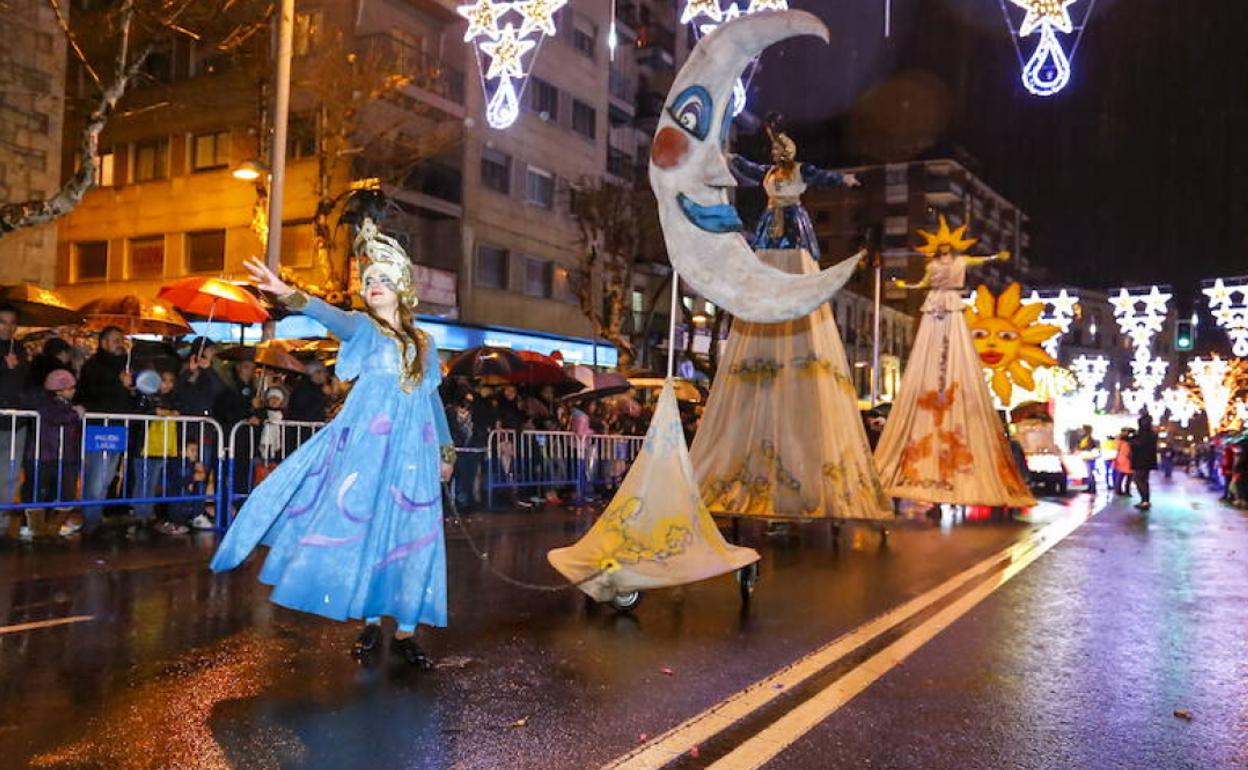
(539, 15)
(1230, 314)
(1181, 404)
(482, 19)
(1211, 377)
(1141, 325)
(493, 31)
(1060, 310)
(1047, 71)
(505, 54)
(714, 15)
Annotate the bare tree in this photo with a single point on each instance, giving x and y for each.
(111, 44)
(366, 124)
(619, 230)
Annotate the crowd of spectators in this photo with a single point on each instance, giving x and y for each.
(66, 381)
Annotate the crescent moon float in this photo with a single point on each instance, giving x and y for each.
(690, 179)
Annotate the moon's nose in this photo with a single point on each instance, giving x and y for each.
(715, 172)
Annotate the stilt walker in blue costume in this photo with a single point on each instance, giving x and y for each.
(353, 519)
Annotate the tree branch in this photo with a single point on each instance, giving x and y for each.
(63, 23)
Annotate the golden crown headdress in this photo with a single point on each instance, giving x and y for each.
(943, 235)
(374, 250)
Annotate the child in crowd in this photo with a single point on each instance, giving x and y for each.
(56, 452)
(157, 468)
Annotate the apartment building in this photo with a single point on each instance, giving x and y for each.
(897, 199)
(32, 90)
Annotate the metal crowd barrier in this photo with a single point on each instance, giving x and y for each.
(146, 459)
(253, 452)
(544, 460)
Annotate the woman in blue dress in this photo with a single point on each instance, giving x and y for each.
(353, 519)
(785, 224)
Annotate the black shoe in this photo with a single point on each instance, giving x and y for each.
(408, 650)
(366, 644)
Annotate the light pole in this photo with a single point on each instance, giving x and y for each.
(277, 155)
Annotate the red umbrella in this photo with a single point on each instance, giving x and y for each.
(541, 370)
(215, 298)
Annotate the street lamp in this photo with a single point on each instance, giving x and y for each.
(249, 171)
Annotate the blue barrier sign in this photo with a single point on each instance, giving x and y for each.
(106, 438)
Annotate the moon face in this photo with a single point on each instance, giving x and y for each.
(690, 178)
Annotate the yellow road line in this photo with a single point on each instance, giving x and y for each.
(698, 729)
(45, 624)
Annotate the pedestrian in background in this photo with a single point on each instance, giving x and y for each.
(309, 398)
(107, 387)
(1122, 464)
(157, 470)
(1143, 460)
(1087, 449)
(13, 386)
(56, 455)
(199, 387)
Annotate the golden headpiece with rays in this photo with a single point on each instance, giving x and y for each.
(955, 238)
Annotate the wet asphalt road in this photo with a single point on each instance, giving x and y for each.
(1078, 662)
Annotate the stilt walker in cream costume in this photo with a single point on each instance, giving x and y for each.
(943, 442)
(781, 436)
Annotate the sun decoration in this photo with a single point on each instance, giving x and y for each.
(492, 31)
(1008, 338)
(1048, 69)
(712, 15)
(1230, 315)
(944, 236)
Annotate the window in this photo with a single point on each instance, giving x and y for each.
(307, 32)
(539, 188)
(205, 251)
(491, 267)
(543, 99)
(298, 244)
(207, 60)
(151, 160)
(496, 170)
(210, 151)
(301, 136)
(91, 261)
(584, 33)
(537, 277)
(147, 257)
(584, 119)
(897, 225)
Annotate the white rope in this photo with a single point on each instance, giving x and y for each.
(671, 326)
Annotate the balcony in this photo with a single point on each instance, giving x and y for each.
(434, 185)
(432, 81)
(943, 191)
(620, 163)
(656, 47)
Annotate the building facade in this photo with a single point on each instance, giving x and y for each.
(897, 199)
(32, 98)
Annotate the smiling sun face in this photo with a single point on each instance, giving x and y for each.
(1007, 338)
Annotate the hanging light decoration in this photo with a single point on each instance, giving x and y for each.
(1229, 305)
(1047, 70)
(1212, 377)
(1059, 310)
(705, 15)
(1141, 316)
(1181, 405)
(510, 50)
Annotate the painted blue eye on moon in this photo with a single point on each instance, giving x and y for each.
(693, 110)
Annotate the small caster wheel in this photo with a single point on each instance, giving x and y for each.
(626, 602)
(747, 578)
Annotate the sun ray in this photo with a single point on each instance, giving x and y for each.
(1027, 315)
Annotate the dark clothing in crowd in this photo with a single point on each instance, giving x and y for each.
(56, 451)
(484, 416)
(199, 391)
(1144, 450)
(48, 361)
(100, 388)
(308, 402)
(13, 381)
(233, 405)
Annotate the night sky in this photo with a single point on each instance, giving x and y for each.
(1135, 173)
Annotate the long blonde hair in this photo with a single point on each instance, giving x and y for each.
(412, 341)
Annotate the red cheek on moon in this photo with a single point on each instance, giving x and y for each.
(669, 148)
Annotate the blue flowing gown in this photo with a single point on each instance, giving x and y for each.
(353, 518)
(799, 231)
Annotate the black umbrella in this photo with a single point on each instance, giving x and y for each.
(485, 362)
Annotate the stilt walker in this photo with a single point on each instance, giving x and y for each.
(781, 436)
(353, 518)
(943, 442)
